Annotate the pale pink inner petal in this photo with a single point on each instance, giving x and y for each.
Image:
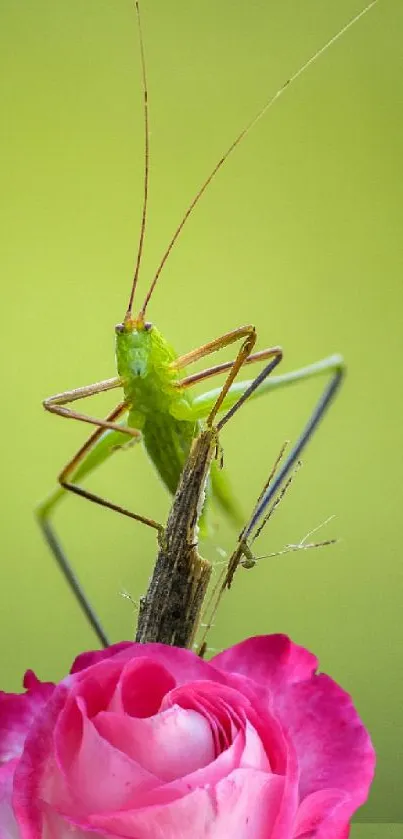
(170, 745)
(206, 776)
(91, 693)
(100, 777)
(222, 706)
(254, 754)
(189, 816)
(56, 826)
(244, 805)
(227, 712)
(209, 775)
(249, 804)
(201, 704)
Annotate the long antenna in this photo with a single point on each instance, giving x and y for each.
(243, 134)
(146, 164)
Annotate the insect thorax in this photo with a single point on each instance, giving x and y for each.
(143, 357)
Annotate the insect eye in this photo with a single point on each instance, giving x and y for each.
(147, 325)
(119, 328)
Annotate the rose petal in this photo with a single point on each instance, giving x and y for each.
(35, 687)
(244, 805)
(196, 697)
(254, 755)
(97, 685)
(208, 775)
(323, 815)
(271, 660)
(224, 709)
(183, 665)
(31, 766)
(8, 826)
(169, 745)
(147, 741)
(59, 827)
(225, 705)
(130, 697)
(99, 776)
(84, 660)
(17, 712)
(334, 749)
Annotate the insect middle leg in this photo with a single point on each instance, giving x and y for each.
(219, 485)
(72, 465)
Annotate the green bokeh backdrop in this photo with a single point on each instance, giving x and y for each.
(301, 234)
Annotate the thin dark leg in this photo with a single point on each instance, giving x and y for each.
(316, 416)
(252, 387)
(56, 548)
(243, 550)
(73, 581)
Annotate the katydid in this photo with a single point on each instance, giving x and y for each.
(157, 407)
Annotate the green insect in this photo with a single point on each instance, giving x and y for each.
(157, 406)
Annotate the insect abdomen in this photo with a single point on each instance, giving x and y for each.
(167, 441)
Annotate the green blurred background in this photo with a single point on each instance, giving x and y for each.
(300, 234)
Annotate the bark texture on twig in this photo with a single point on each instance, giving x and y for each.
(170, 611)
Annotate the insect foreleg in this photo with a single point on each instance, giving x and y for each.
(56, 405)
(82, 392)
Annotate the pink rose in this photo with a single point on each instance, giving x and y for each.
(150, 742)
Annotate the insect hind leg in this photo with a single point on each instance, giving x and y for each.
(72, 580)
(43, 513)
(43, 516)
(318, 412)
(242, 555)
